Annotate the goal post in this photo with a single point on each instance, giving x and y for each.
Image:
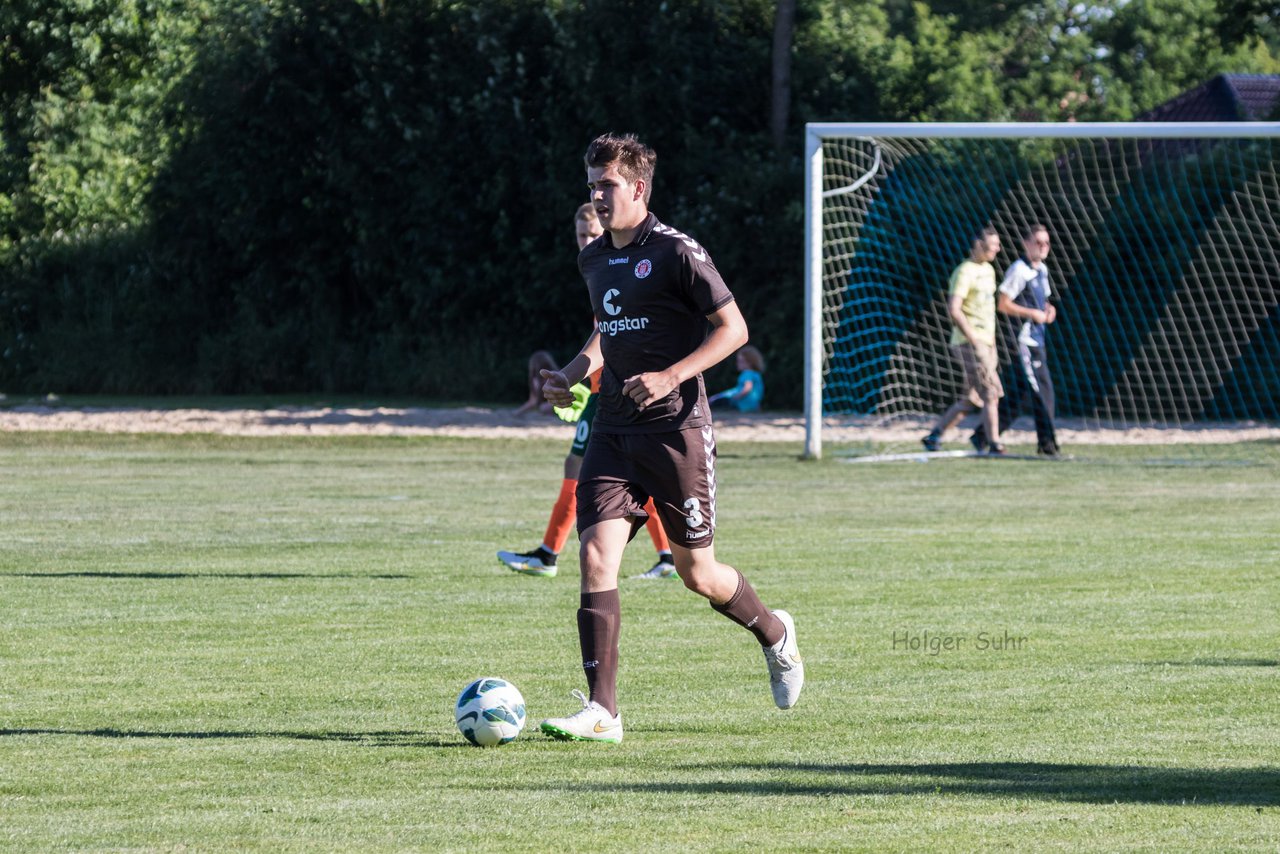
(1165, 261)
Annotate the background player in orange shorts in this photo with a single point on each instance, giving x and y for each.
(541, 561)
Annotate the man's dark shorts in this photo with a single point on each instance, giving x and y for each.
(676, 469)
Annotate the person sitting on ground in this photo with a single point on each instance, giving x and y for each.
(538, 362)
(749, 392)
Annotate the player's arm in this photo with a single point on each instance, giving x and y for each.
(1011, 288)
(728, 334)
(556, 384)
(955, 308)
(1007, 306)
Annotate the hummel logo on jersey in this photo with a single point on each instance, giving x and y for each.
(613, 261)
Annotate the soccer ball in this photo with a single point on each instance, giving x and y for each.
(489, 711)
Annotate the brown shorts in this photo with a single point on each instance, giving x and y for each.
(981, 373)
(676, 469)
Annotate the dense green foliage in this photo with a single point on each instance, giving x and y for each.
(349, 195)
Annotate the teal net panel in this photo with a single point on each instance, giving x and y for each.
(1165, 261)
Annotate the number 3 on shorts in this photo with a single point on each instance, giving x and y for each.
(694, 506)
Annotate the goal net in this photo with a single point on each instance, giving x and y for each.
(1165, 265)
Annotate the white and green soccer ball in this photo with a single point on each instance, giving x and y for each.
(489, 711)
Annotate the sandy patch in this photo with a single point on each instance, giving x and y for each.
(496, 423)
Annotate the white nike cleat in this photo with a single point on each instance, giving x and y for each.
(539, 562)
(786, 670)
(661, 569)
(593, 723)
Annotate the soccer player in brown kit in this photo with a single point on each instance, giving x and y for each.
(655, 293)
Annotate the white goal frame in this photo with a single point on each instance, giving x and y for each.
(817, 132)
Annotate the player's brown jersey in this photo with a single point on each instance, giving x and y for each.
(651, 299)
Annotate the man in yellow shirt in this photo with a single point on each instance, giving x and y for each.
(971, 303)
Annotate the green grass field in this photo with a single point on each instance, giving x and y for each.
(212, 644)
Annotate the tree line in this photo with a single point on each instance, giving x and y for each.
(375, 196)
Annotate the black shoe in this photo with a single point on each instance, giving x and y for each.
(996, 450)
(1050, 451)
(932, 442)
(979, 442)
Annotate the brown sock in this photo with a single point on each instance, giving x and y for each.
(599, 624)
(746, 609)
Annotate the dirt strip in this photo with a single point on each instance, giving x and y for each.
(481, 422)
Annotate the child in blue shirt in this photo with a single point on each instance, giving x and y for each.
(749, 392)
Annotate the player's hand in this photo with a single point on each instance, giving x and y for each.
(1050, 314)
(647, 389)
(555, 388)
(1038, 316)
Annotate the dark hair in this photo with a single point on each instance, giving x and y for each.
(1032, 230)
(981, 236)
(755, 359)
(634, 159)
